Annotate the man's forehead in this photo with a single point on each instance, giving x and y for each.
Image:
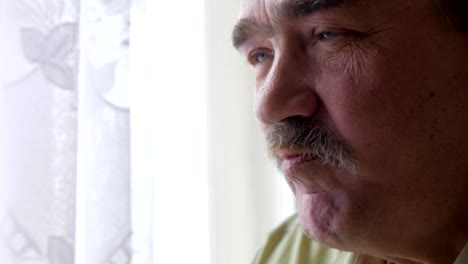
(259, 17)
(283, 8)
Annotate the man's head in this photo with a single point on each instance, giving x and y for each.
(363, 104)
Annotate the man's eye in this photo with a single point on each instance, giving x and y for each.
(329, 35)
(259, 56)
(336, 35)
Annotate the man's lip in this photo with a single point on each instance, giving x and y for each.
(297, 159)
(291, 163)
(294, 155)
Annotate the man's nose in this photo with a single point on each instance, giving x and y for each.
(287, 91)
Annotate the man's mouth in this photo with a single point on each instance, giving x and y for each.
(292, 164)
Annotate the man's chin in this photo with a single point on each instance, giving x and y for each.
(319, 215)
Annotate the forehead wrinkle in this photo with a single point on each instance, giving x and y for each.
(291, 9)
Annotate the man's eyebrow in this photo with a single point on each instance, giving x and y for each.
(245, 29)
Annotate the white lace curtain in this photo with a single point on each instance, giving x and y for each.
(40, 114)
(126, 135)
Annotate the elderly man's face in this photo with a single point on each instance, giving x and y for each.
(363, 104)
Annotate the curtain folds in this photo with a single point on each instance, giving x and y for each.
(65, 132)
(38, 101)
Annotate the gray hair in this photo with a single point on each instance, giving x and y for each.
(307, 137)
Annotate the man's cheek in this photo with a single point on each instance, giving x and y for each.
(354, 63)
(352, 83)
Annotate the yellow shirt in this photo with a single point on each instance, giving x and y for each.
(288, 245)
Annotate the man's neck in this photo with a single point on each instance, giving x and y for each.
(438, 255)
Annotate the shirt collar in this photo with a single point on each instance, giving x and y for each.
(463, 257)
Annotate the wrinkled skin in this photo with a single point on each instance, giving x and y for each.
(388, 78)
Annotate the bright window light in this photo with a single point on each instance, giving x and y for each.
(169, 112)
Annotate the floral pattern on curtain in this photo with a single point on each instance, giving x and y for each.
(64, 61)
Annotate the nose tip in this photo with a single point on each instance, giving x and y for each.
(276, 106)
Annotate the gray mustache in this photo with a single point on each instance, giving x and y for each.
(305, 135)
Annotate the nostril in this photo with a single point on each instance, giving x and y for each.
(297, 119)
(272, 108)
